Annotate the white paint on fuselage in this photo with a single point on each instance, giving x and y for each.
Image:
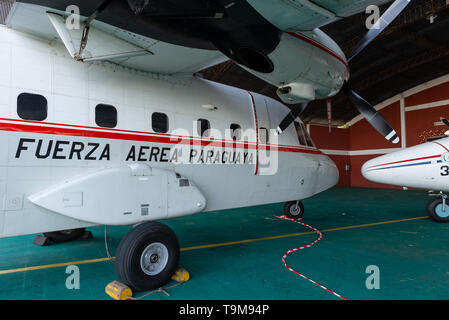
(73, 89)
(424, 166)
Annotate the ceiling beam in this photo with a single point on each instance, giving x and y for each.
(407, 64)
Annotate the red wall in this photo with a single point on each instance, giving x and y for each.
(362, 137)
(437, 93)
(337, 139)
(357, 180)
(420, 124)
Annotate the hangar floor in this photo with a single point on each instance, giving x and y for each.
(236, 254)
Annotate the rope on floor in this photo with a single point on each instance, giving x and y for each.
(111, 259)
(162, 290)
(320, 236)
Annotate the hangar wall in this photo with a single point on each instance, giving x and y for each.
(414, 114)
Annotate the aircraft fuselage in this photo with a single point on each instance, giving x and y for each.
(74, 167)
(424, 166)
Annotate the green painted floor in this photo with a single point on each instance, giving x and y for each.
(412, 256)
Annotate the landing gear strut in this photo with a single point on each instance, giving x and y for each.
(294, 209)
(147, 256)
(438, 208)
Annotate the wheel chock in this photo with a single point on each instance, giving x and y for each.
(181, 275)
(42, 241)
(118, 291)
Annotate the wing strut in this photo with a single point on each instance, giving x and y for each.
(86, 29)
(102, 46)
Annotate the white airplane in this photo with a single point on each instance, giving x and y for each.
(102, 121)
(424, 166)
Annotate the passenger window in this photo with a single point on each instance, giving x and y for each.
(300, 133)
(159, 122)
(236, 131)
(263, 135)
(203, 127)
(32, 107)
(106, 116)
(308, 139)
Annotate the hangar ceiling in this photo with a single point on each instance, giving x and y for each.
(411, 51)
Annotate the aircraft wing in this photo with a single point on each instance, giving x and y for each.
(301, 15)
(178, 36)
(109, 43)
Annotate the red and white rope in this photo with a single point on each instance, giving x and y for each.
(320, 236)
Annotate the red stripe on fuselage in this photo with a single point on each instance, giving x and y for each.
(424, 158)
(117, 134)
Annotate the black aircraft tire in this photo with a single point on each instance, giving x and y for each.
(147, 256)
(65, 235)
(434, 210)
(290, 212)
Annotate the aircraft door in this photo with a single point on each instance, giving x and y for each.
(265, 136)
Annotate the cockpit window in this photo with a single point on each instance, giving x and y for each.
(300, 133)
(264, 136)
(303, 136)
(308, 139)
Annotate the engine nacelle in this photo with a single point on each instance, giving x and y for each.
(306, 66)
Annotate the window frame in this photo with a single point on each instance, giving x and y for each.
(199, 128)
(300, 133)
(239, 129)
(267, 135)
(167, 122)
(309, 140)
(101, 123)
(19, 105)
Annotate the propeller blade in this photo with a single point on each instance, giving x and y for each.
(392, 12)
(291, 116)
(371, 115)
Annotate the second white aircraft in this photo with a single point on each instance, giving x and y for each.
(425, 166)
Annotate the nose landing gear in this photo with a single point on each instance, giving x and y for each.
(147, 256)
(438, 208)
(294, 209)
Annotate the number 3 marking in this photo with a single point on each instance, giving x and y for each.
(445, 170)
